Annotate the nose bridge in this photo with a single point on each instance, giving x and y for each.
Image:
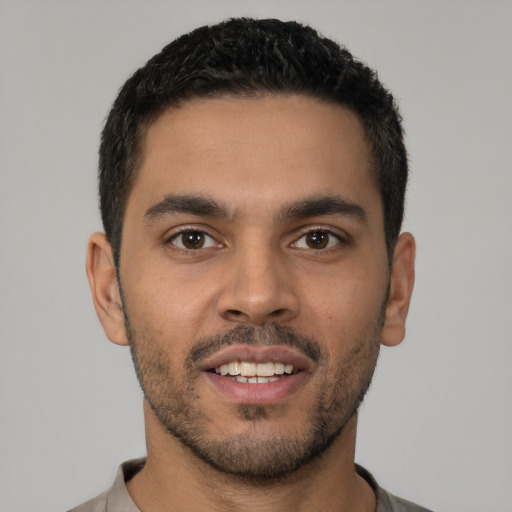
(257, 287)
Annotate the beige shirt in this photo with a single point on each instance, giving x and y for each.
(117, 498)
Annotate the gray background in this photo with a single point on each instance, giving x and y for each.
(436, 426)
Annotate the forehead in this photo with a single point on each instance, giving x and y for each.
(242, 151)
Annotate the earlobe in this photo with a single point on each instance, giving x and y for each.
(101, 274)
(400, 290)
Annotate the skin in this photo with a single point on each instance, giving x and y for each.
(255, 157)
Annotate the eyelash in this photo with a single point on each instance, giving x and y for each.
(339, 239)
(190, 230)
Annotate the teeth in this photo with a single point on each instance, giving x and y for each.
(247, 369)
(265, 369)
(278, 368)
(255, 380)
(234, 368)
(254, 372)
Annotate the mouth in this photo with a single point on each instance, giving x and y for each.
(247, 372)
(257, 375)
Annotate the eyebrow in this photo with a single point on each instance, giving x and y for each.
(204, 206)
(190, 204)
(322, 205)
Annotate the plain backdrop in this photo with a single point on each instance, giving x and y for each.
(436, 426)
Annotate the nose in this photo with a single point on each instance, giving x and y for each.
(258, 289)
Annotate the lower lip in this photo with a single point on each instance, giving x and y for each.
(257, 394)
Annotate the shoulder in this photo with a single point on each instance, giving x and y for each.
(98, 504)
(117, 498)
(391, 503)
(387, 502)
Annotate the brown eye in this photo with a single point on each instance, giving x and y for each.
(317, 240)
(193, 240)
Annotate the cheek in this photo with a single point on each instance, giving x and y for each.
(169, 306)
(345, 310)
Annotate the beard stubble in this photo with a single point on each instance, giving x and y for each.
(249, 455)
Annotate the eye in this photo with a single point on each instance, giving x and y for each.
(317, 239)
(193, 240)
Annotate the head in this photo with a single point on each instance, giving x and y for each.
(252, 177)
(250, 58)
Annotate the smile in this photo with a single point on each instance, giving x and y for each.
(254, 373)
(259, 375)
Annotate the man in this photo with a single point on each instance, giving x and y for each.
(252, 181)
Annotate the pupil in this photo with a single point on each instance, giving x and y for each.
(193, 240)
(317, 240)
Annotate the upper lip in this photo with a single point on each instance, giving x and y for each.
(251, 354)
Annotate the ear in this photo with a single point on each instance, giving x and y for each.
(101, 273)
(400, 290)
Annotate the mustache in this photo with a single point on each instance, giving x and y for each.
(272, 334)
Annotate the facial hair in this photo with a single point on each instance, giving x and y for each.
(251, 455)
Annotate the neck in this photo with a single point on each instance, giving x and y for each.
(175, 480)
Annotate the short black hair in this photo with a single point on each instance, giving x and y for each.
(250, 57)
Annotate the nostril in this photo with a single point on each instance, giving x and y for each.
(278, 312)
(235, 313)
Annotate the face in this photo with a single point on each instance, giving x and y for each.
(255, 278)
